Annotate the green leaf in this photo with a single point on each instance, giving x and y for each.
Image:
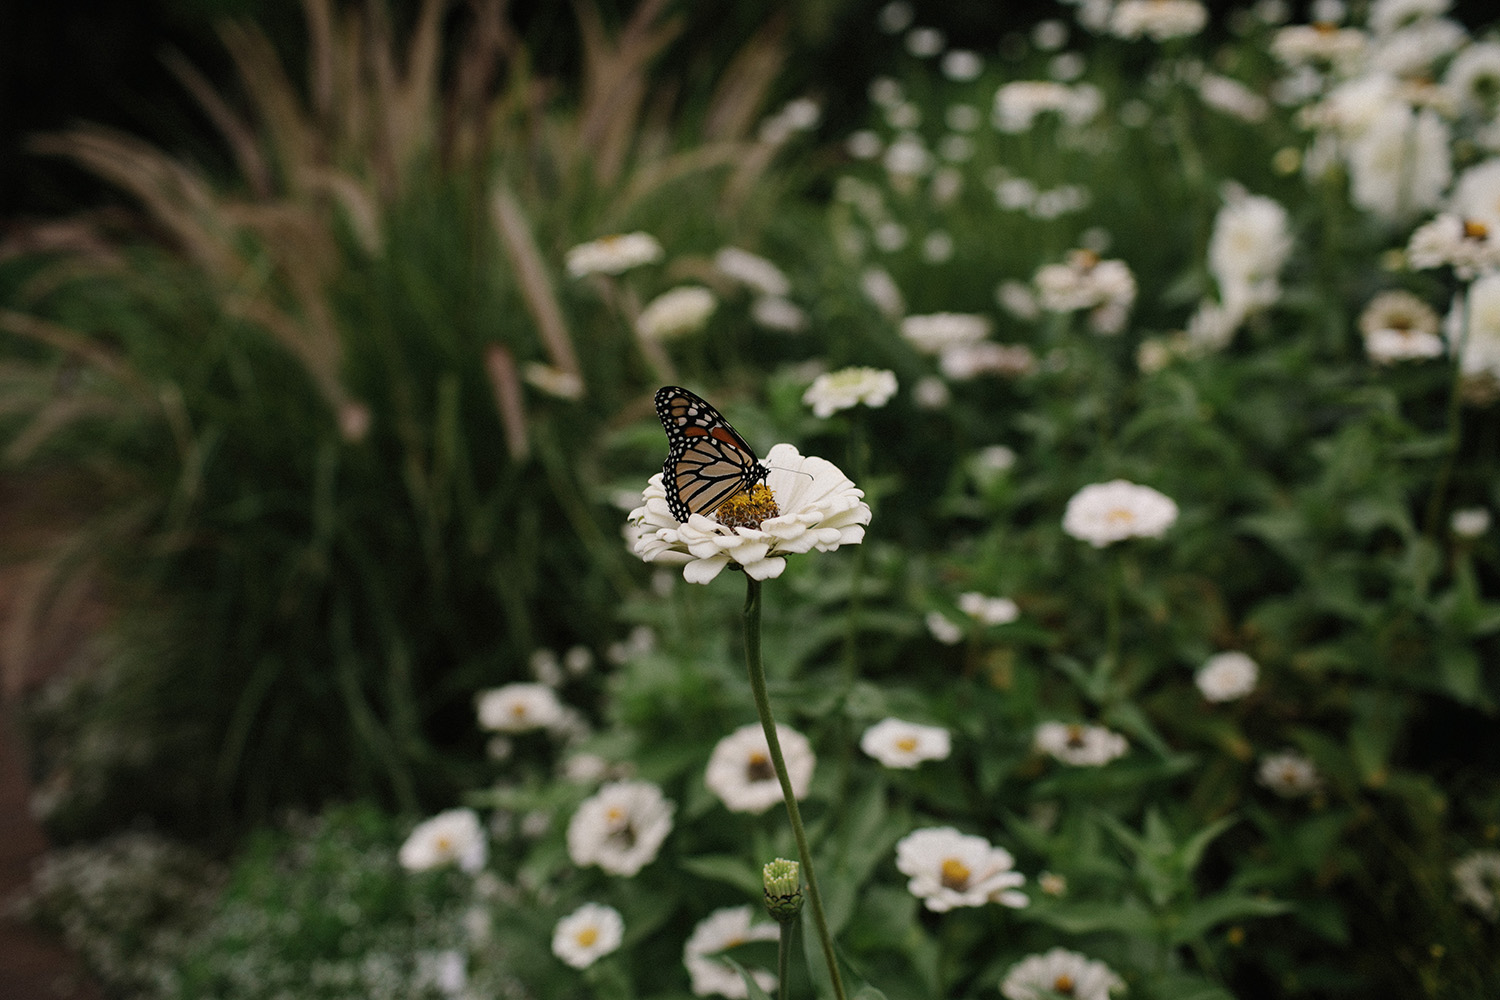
(728, 869)
(1085, 918)
(1206, 914)
(755, 992)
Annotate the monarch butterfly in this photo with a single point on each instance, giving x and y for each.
(707, 462)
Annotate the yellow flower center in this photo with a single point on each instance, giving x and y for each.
(748, 508)
(906, 744)
(1075, 736)
(587, 937)
(444, 844)
(758, 767)
(1064, 984)
(955, 874)
(1119, 515)
(518, 710)
(1475, 230)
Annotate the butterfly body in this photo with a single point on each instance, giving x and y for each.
(707, 461)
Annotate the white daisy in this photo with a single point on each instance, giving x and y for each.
(989, 610)
(1466, 245)
(1079, 745)
(1477, 882)
(753, 271)
(588, 934)
(451, 837)
(849, 387)
(1060, 972)
(741, 774)
(948, 869)
(676, 313)
(812, 506)
(1288, 774)
(613, 254)
(1470, 523)
(1227, 676)
(1476, 194)
(621, 827)
(519, 708)
(1398, 326)
(1402, 163)
(720, 931)
(900, 744)
(1158, 20)
(1104, 513)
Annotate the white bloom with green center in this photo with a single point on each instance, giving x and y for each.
(1104, 513)
(1227, 676)
(849, 387)
(818, 509)
(451, 837)
(1288, 774)
(519, 708)
(897, 743)
(753, 271)
(1079, 745)
(1470, 523)
(613, 254)
(676, 313)
(740, 771)
(1476, 880)
(1059, 972)
(1398, 326)
(588, 934)
(1158, 20)
(720, 931)
(948, 869)
(621, 827)
(988, 610)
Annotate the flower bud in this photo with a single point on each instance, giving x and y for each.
(783, 886)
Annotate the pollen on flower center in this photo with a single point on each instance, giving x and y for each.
(1120, 515)
(955, 874)
(749, 508)
(587, 937)
(1475, 230)
(906, 744)
(1063, 984)
(758, 767)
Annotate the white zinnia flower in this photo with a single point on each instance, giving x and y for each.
(451, 837)
(961, 65)
(621, 827)
(1079, 745)
(1473, 77)
(1227, 676)
(1247, 249)
(1086, 282)
(588, 934)
(1477, 882)
(519, 708)
(719, 931)
(1476, 194)
(847, 388)
(818, 508)
(1158, 20)
(613, 254)
(1469, 247)
(1288, 774)
(1386, 16)
(741, 774)
(675, 313)
(897, 743)
(1470, 522)
(936, 332)
(1401, 163)
(1476, 326)
(1059, 972)
(1017, 104)
(1104, 513)
(1398, 326)
(753, 271)
(948, 869)
(962, 362)
(989, 610)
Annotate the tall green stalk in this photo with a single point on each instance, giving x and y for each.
(757, 673)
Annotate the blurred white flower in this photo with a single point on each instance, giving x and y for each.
(880, 288)
(1386, 16)
(863, 144)
(1232, 97)
(775, 313)
(934, 333)
(1476, 880)
(895, 17)
(1106, 287)
(1402, 162)
(1473, 78)
(900, 744)
(613, 254)
(962, 117)
(554, 381)
(1227, 676)
(849, 387)
(588, 934)
(1288, 774)
(937, 247)
(1413, 51)
(948, 869)
(740, 772)
(1476, 195)
(931, 393)
(815, 507)
(620, 828)
(1017, 104)
(962, 362)
(720, 931)
(1060, 972)
(1247, 249)
(519, 708)
(1469, 247)
(753, 271)
(988, 610)
(1398, 326)
(1472, 327)
(989, 463)
(675, 313)
(1307, 44)
(445, 971)
(1016, 298)
(906, 156)
(1158, 20)
(585, 768)
(1470, 522)
(925, 42)
(1103, 513)
(1052, 884)
(1079, 745)
(961, 65)
(943, 630)
(1049, 35)
(451, 837)
(891, 236)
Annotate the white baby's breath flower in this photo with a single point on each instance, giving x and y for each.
(1016, 298)
(988, 610)
(1227, 676)
(519, 708)
(720, 931)
(849, 387)
(863, 144)
(740, 772)
(900, 744)
(991, 461)
(1476, 880)
(588, 934)
(451, 837)
(948, 869)
(943, 630)
(752, 270)
(1288, 774)
(1398, 326)
(1060, 972)
(935, 332)
(445, 971)
(1079, 745)
(1470, 522)
(895, 17)
(1158, 20)
(1104, 513)
(676, 313)
(621, 827)
(816, 507)
(613, 254)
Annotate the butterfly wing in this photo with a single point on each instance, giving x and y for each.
(707, 462)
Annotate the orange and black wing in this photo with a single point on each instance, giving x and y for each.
(707, 462)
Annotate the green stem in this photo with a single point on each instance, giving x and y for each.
(768, 725)
(783, 957)
(1430, 521)
(1112, 619)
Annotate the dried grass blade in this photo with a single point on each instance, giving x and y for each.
(505, 380)
(240, 136)
(531, 272)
